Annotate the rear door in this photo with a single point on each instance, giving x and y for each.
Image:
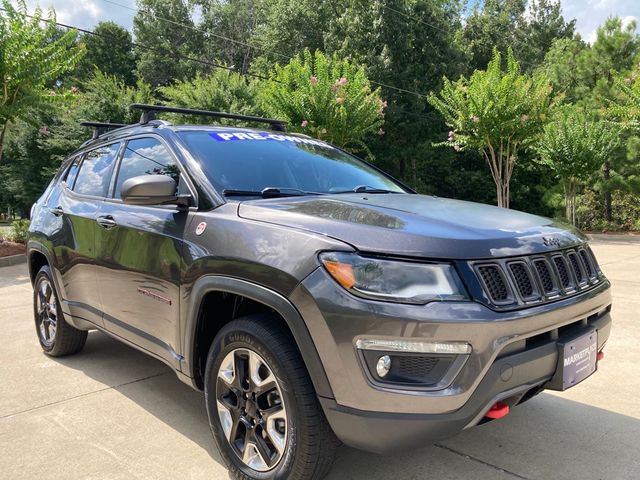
(75, 206)
(139, 251)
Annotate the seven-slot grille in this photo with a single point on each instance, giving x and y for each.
(538, 278)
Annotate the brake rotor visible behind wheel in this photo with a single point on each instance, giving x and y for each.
(56, 336)
(262, 428)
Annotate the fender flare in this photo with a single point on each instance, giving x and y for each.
(268, 297)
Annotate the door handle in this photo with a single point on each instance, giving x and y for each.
(57, 211)
(106, 221)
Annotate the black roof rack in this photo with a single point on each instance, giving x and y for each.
(149, 111)
(101, 127)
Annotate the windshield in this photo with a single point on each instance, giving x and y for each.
(239, 161)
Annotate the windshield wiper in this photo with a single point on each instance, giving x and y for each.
(366, 189)
(268, 192)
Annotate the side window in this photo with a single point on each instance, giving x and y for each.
(145, 156)
(94, 176)
(72, 172)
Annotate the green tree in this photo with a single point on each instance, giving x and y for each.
(104, 98)
(236, 21)
(221, 91)
(492, 24)
(568, 64)
(110, 50)
(166, 38)
(626, 105)
(528, 28)
(326, 97)
(576, 146)
(499, 112)
(406, 48)
(544, 25)
(31, 58)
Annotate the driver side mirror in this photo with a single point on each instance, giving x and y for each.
(152, 190)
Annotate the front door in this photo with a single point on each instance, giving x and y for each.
(138, 257)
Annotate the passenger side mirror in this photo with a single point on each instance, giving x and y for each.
(152, 190)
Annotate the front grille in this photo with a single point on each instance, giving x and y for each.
(522, 278)
(586, 261)
(561, 266)
(529, 280)
(494, 282)
(544, 274)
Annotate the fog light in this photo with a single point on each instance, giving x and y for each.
(383, 366)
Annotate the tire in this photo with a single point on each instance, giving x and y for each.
(57, 338)
(285, 412)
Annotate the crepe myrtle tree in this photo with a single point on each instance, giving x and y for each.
(327, 98)
(575, 146)
(33, 56)
(497, 111)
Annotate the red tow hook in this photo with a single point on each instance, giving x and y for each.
(600, 355)
(498, 410)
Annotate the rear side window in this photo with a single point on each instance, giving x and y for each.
(94, 175)
(145, 156)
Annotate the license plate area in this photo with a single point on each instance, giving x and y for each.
(576, 360)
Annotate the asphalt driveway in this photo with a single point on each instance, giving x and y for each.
(112, 412)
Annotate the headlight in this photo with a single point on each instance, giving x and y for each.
(394, 281)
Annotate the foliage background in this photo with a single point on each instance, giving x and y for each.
(225, 57)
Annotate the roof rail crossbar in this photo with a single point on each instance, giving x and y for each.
(100, 127)
(149, 111)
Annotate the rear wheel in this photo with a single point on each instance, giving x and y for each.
(56, 336)
(263, 429)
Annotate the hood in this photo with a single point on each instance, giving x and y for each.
(416, 225)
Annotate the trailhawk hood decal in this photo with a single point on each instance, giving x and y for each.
(416, 225)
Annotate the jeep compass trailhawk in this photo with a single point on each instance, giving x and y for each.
(313, 298)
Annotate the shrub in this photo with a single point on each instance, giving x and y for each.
(19, 230)
(327, 98)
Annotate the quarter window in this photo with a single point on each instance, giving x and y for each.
(72, 173)
(94, 176)
(145, 156)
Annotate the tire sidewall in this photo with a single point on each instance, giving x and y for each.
(230, 339)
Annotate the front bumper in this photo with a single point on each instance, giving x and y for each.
(511, 379)
(514, 355)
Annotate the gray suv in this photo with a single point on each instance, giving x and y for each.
(313, 298)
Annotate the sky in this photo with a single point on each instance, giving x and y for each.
(86, 13)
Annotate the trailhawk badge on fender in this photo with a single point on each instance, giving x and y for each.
(201, 228)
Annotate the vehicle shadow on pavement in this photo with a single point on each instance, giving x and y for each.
(547, 437)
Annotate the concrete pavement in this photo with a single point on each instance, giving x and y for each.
(112, 412)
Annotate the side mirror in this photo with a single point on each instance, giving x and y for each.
(151, 190)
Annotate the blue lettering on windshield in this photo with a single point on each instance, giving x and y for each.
(231, 136)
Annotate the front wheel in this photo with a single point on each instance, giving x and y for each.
(57, 337)
(262, 407)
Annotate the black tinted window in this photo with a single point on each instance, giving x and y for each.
(94, 176)
(145, 156)
(248, 160)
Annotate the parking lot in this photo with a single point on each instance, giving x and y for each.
(112, 412)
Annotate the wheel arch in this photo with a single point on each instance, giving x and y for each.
(264, 296)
